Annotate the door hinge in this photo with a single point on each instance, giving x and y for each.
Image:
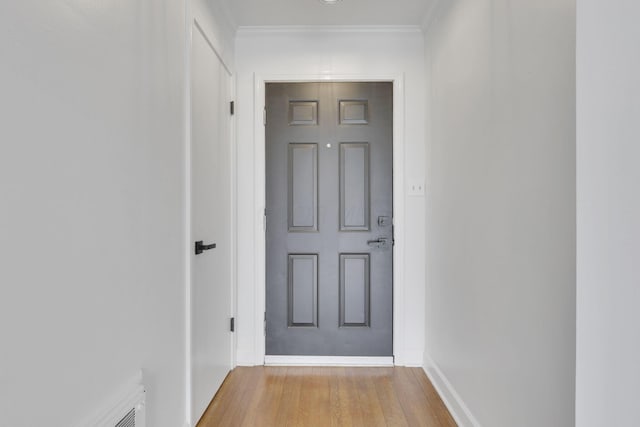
(265, 323)
(232, 324)
(393, 234)
(264, 220)
(232, 107)
(264, 116)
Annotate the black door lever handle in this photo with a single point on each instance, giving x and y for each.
(200, 247)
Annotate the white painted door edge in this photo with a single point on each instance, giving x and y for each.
(327, 361)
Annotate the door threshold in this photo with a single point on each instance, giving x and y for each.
(328, 361)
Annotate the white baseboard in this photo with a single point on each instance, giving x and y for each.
(411, 358)
(327, 361)
(242, 360)
(457, 407)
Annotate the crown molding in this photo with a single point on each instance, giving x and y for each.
(293, 29)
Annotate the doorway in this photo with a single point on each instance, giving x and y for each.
(329, 215)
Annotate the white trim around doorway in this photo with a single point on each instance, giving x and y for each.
(260, 81)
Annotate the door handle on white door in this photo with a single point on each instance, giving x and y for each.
(200, 247)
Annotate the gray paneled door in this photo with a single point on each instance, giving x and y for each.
(329, 212)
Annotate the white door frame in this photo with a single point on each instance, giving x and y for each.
(398, 198)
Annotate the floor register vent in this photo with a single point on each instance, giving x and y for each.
(129, 420)
(126, 408)
(131, 411)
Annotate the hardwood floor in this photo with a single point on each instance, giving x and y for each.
(310, 397)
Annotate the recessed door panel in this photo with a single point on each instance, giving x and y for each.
(329, 219)
(354, 290)
(303, 187)
(303, 289)
(354, 186)
(354, 112)
(303, 113)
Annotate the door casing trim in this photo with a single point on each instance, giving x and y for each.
(398, 81)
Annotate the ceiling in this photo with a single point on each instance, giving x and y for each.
(314, 12)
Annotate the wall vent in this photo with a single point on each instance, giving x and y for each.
(126, 408)
(129, 412)
(129, 420)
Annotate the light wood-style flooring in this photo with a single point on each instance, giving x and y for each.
(310, 397)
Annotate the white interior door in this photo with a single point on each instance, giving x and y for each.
(211, 222)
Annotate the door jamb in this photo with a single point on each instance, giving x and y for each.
(260, 82)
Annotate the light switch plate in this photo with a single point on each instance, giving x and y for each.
(416, 189)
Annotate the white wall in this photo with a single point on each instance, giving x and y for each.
(608, 338)
(500, 324)
(92, 219)
(313, 53)
(218, 23)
